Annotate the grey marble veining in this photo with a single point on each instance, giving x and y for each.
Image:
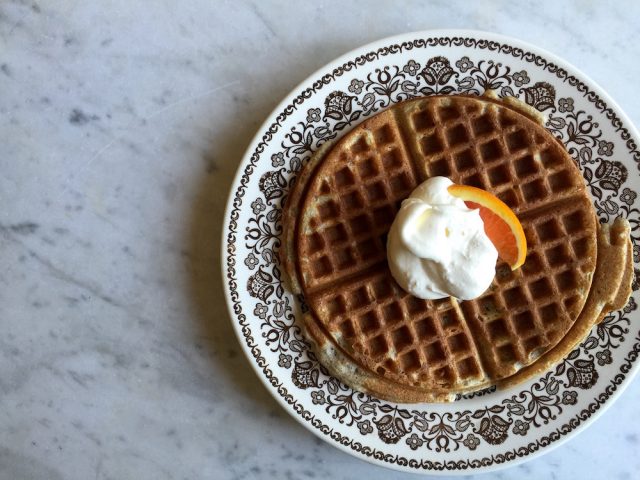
(121, 126)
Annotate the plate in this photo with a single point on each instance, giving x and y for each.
(486, 430)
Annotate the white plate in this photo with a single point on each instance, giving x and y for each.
(491, 429)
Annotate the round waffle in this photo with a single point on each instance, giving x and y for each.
(378, 338)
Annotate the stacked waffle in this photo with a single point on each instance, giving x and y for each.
(380, 339)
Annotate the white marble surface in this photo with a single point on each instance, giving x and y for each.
(121, 125)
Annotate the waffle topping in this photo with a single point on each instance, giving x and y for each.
(500, 223)
(438, 247)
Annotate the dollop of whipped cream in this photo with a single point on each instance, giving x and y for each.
(437, 246)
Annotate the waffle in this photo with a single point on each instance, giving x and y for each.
(610, 290)
(377, 337)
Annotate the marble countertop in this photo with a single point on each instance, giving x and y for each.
(121, 126)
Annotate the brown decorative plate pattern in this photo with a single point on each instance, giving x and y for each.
(486, 430)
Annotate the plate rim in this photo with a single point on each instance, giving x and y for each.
(256, 140)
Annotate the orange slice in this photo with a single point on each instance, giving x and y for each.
(500, 223)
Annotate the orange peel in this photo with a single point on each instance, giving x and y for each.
(500, 223)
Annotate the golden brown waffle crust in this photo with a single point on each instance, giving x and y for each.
(340, 361)
(610, 291)
(290, 214)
